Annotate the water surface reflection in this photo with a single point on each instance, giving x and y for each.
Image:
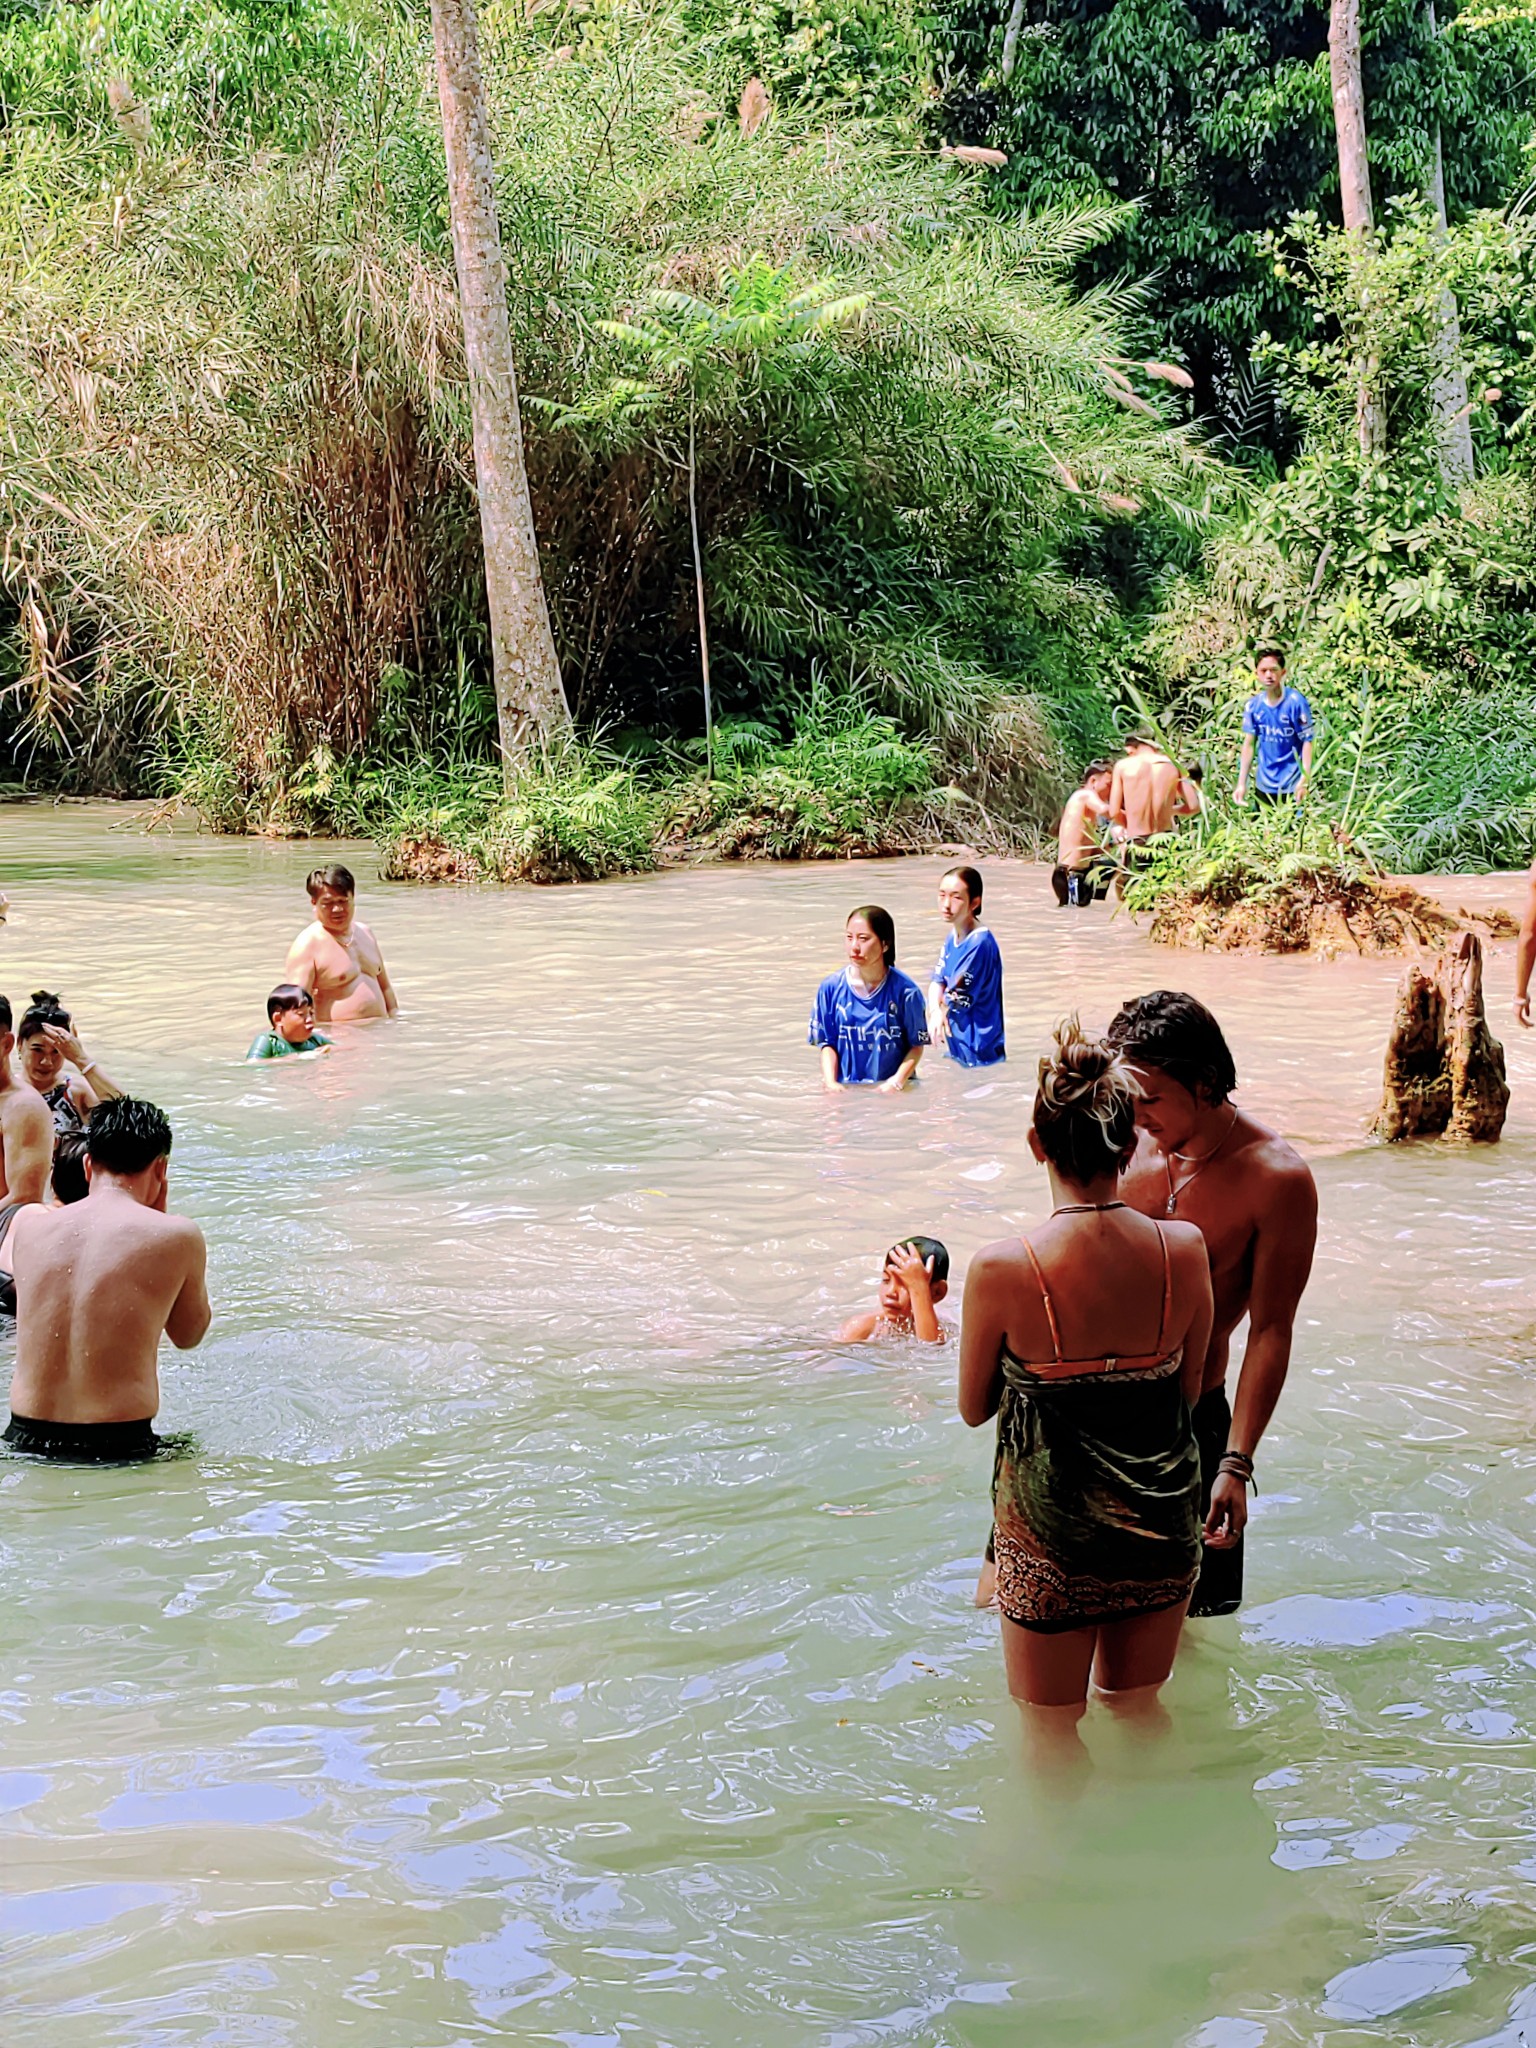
(555, 1641)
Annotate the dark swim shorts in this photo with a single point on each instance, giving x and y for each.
(91, 1443)
(1219, 1589)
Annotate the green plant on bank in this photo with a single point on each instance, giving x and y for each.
(1408, 609)
(843, 783)
(1233, 856)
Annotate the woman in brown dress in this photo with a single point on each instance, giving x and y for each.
(1085, 1338)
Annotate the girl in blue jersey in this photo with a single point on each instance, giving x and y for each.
(966, 993)
(870, 1020)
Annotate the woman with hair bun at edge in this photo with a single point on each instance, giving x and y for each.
(1086, 1339)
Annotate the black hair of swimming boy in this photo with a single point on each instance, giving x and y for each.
(43, 1010)
(5, 1014)
(927, 1248)
(126, 1135)
(881, 923)
(69, 1181)
(1176, 1034)
(286, 996)
(335, 876)
(969, 880)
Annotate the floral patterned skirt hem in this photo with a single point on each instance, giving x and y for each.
(1035, 1592)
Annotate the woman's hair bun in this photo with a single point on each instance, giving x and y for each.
(1085, 1110)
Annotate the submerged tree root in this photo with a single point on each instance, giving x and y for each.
(1319, 912)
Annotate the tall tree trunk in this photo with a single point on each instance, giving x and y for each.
(1354, 186)
(1011, 37)
(1448, 392)
(698, 586)
(530, 697)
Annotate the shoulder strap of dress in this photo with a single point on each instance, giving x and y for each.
(1045, 1296)
(1162, 1324)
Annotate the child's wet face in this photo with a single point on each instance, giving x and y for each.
(42, 1060)
(864, 949)
(895, 1301)
(296, 1025)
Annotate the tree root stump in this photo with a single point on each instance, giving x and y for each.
(1444, 1070)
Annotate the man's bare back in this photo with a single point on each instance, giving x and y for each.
(97, 1285)
(1146, 795)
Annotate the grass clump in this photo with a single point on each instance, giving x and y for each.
(1286, 879)
(839, 786)
(574, 817)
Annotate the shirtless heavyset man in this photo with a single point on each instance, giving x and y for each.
(337, 958)
(96, 1287)
(1253, 1199)
(1148, 791)
(26, 1127)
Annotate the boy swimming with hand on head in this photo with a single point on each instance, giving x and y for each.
(913, 1279)
(290, 1026)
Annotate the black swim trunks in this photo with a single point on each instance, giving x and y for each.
(1219, 1588)
(91, 1443)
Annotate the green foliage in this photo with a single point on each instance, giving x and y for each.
(238, 515)
(842, 784)
(1228, 856)
(1408, 607)
(850, 57)
(1216, 120)
(224, 74)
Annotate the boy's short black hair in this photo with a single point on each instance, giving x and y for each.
(1096, 768)
(125, 1135)
(286, 996)
(5, 1013)
(927, 1248)
(69, 1181)
(1176, 1034)
(334, 876)
(1270, 654)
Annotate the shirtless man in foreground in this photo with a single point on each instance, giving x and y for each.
(96, 1286)
(26, 1127)
(338, 959)
(1251, 1195)
(1147, 793)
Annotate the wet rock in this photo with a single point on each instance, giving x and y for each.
(1444, 1069)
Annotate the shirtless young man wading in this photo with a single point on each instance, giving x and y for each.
(1082, 864)
(1202, 1159)
(1147, 793)
(26, 1128)
(337, 958)
(97, 1284)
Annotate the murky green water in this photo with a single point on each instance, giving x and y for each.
(555, 1642)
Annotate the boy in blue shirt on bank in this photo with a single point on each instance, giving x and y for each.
(965, 997)
(1277, 724)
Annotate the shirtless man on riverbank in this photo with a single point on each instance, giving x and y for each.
(1079, 845)
(1147, 793)
(26, 1127)
(337, 958)
(97, 1284)
(1251, 1195)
